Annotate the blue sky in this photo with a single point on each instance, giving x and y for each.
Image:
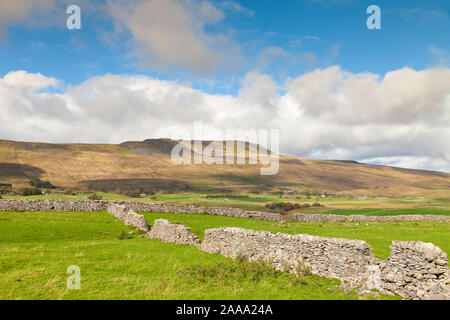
(142, 69)
(330, 32)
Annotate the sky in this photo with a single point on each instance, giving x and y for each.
(312, 69)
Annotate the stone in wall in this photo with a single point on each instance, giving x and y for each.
(172, 233)
(416, 270)
(128, 216)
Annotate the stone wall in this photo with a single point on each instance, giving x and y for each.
(90, 205)
(172, 233)
(363, 218)
(342, 259)
(51, 205)
(414, 270)
(128, 216)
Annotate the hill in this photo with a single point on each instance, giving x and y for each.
(147, 165)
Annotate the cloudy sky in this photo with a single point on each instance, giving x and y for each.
(310, 68)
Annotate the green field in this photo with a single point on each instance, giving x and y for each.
(37, 248)
(378, 235)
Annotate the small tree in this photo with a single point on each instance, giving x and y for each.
(34, 181)
(37, 183)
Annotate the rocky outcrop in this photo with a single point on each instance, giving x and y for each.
(172, 233)
(128, 216)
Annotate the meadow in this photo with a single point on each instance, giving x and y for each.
(36, 249)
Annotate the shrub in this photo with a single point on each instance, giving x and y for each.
(132, 193)
(306, 205)
(70, 193)
(316, 204)
(37, 183)
(6, 185)
(29, 192)
(5, 190)
(94, 197)
(283, 206)
(123, 236)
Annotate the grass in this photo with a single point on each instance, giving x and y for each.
(378, 235)
(37, 248)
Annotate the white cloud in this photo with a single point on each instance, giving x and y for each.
(163, 33)
(422, 15)
(442, 56)
(236, 8)
(25, 80)
(172, 33)
(19, 11)
(34, 13)
(401, 119)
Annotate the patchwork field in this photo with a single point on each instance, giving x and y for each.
(37, 248)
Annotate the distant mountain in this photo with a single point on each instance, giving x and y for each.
(148, 165)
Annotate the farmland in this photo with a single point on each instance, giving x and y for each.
(37, 248)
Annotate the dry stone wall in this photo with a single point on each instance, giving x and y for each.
(90, 205)
(128, 216)
(51, 205)
(415, 270)
(172, 233)
(363, 218)
(342, 259)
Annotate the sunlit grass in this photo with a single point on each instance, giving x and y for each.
(36, 249)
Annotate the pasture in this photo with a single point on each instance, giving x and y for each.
(36, 249)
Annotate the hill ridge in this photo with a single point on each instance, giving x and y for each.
(69, 164)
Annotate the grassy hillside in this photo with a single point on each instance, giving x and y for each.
(106, 167)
